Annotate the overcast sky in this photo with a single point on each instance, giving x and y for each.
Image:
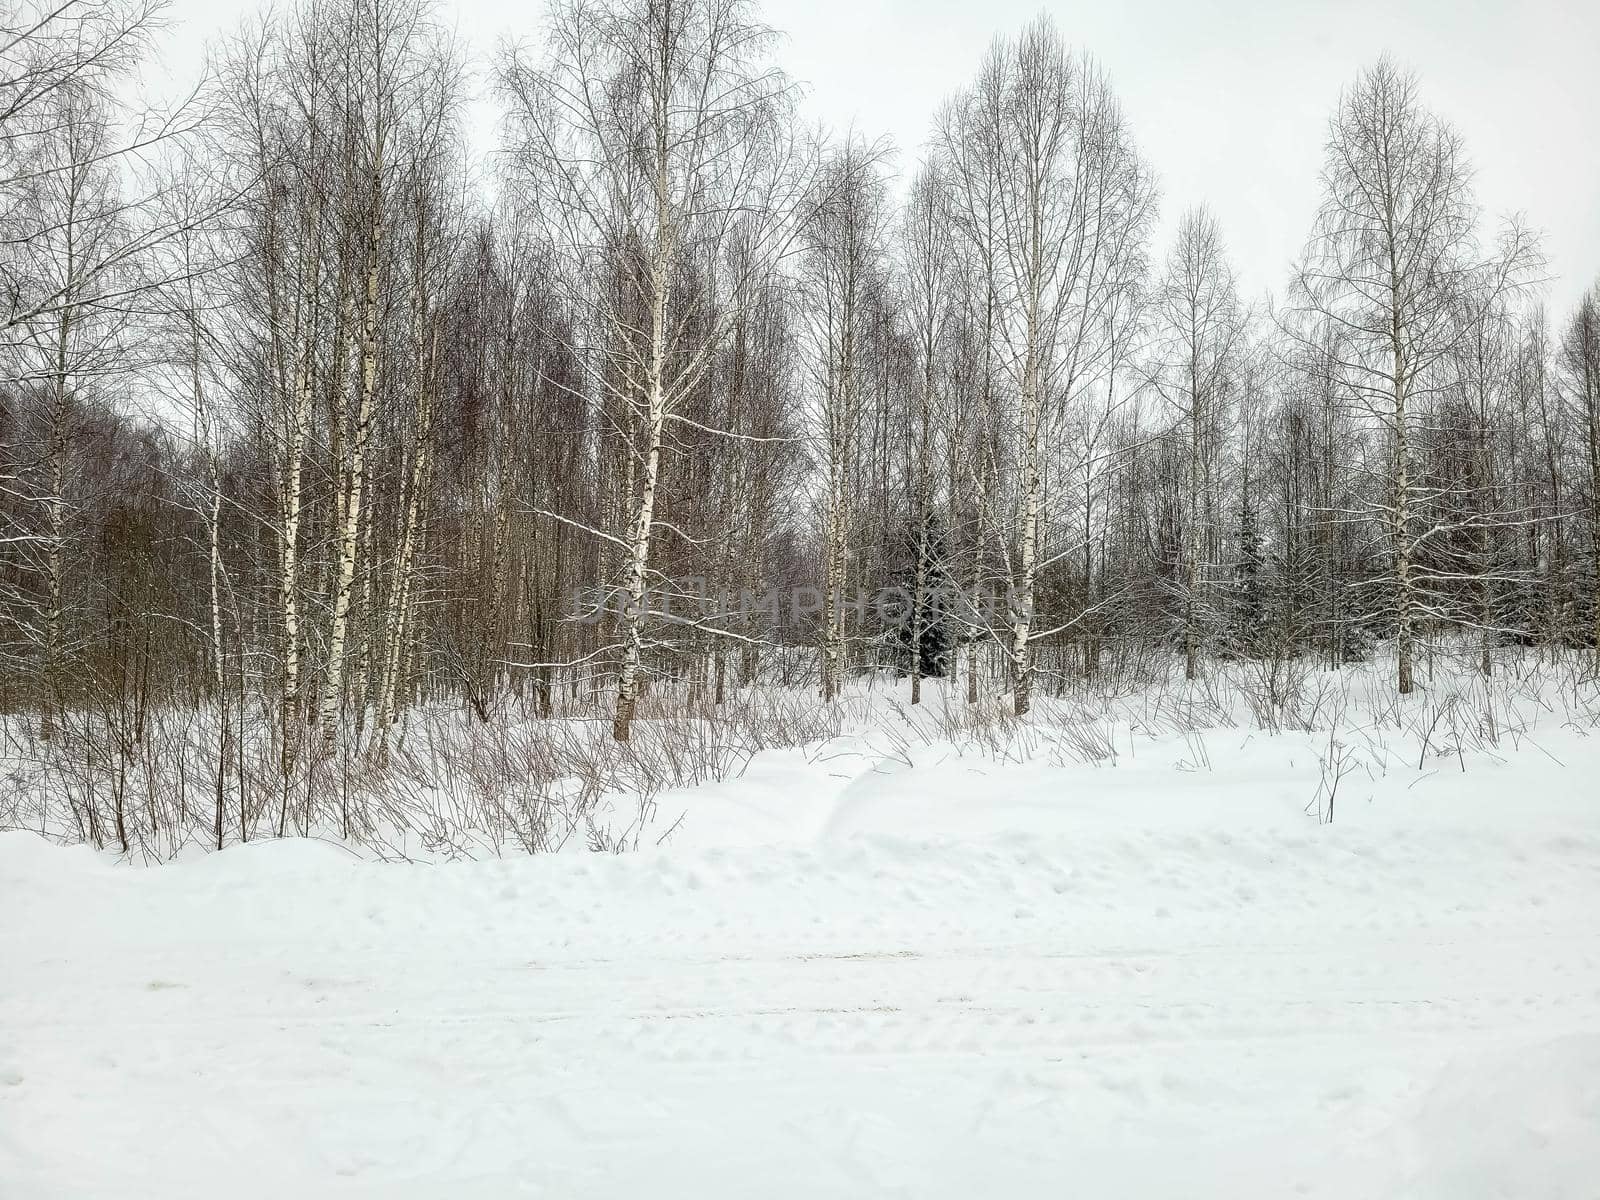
(1228, 99)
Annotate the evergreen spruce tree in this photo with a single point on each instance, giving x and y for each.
(932, 656)
(1247, 618)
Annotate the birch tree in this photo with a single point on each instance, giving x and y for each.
(70, 351)
(399, 86)
(931, 278)
(1394, 253)
(60, 67)
(277, 125)
(1047, 160)
(844, 270)
(651, 134)
(1203, 331)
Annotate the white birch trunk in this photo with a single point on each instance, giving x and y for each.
(1031, 499)
(401, 591)
(333, 682)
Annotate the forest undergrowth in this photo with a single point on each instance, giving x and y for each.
(170, 781)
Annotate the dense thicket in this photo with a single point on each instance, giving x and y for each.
(294, 420)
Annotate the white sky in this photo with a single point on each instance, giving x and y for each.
(1228, 99)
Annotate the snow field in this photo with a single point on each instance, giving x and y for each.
(865, 968)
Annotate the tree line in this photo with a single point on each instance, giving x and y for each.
(305, 413)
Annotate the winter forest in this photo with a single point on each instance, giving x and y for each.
(314, 432)
(569, 628)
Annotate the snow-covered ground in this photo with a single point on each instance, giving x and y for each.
(883, 965)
